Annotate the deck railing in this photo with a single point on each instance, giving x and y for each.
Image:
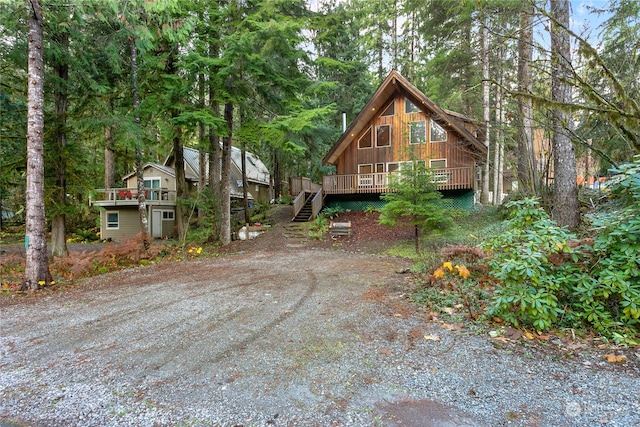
(131, 194)
(446, 179)
(298, 184)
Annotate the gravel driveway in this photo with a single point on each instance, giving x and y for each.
(284, 336)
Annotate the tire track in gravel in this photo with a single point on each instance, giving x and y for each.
(192, 345)
(115, 322)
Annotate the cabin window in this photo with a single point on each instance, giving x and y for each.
(390, 110)
(113, 220)
(365, 140)
(438, 163)
(418, 132)
(380, 178)
(151, 184)
(365, 175)
(167, 215)
(410, 107)
(383, 136)
(440, 175)
(437, 133)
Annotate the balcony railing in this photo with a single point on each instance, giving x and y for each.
(129, 196)
(298, 184)
(446, 179)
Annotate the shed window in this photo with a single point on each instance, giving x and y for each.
(365, 140)
(410, 107)
(383, 136)
(167, 215)
(437, 133)
(418, 132)
(113, 220)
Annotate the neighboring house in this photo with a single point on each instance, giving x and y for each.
(400, 124)
(119, 215)
(258, 177)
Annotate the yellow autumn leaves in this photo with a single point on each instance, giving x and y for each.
(460, 270)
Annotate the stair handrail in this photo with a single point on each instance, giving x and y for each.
(316, 203)
(298, 203)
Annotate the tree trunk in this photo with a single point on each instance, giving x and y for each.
(36, 260)
(566, 208)
(484, 197)
(109, 158)
(245, 192)
(225, 196)
(526, 170)
(181, 185)
(202, 144)
(61, 68)
(142, 205)
(277, 177)
(498, 154)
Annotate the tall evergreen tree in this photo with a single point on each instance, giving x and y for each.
(566, 209)
(37, 261)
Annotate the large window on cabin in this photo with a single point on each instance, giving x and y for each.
(410, 107)
(383, 136)
(418, 132)
(437, 133)
(365, 140)
(365, 175)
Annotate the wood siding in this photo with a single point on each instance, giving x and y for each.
(456, 154)
(166, 181)
(128, 224)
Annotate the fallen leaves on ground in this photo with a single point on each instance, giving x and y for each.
(615, 358)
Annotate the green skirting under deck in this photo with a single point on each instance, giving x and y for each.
(452, 199)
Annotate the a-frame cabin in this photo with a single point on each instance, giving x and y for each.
(399, 124)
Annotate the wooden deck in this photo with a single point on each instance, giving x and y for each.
(447, 179)
(111, 197)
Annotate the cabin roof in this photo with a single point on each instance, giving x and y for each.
(393, 85)
(257, 172)
(162, 168)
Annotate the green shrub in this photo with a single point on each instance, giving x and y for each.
(548, 278)
(319, 227)
(332, 213)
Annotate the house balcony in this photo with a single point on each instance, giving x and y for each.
(111, 197)
(446, 179)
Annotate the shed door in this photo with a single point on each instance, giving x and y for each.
(156, 224)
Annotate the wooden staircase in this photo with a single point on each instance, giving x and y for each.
(306, 212)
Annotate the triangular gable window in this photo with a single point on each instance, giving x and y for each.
(390, 111)
(437, 133)
(410, 107)
(366, 141)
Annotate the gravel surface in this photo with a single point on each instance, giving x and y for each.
(284, 336)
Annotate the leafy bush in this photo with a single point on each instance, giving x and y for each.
(333, 212)
(612, 298)
(319, 227)
(546, 277)
(524, 260)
